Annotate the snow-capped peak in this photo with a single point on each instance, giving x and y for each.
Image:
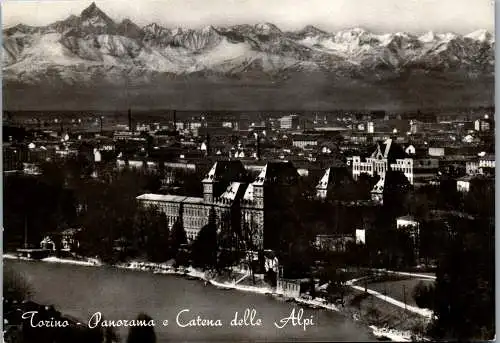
(350, 36)
(92, 11)
(428, 37)
(309, 29)
(354, 31)
(402, 34)
(93, 16)
(267, 28)
(153, 28)
(446, 36)
(480, 35)
(207, 29)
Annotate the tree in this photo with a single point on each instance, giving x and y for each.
(38, 204)
(15, 286)
(204, 250)
(142, 334)
(228, 239)
(154, 235)
(246, 244)
(464, 289)
(177, 233)
(424, 295)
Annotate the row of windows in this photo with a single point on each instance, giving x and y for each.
(287, 286)
(172, 208)
(363, 167)
(191, 234)
(197, 222)
(197, 211)
(408, 162)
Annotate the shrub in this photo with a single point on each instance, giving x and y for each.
(15, 287)
(424, 294)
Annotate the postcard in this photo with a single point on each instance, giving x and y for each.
(248, 170)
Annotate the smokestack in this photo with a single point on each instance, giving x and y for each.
(175, 120)
(257, 145)
(130, 128)
(258, 148)
(208, 144)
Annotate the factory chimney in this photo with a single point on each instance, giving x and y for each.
(258, 148)
(175, 120)
(130, 128)
(208, 144)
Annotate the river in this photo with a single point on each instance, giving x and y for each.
(81, 291)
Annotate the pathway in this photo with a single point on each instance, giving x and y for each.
(421, 311)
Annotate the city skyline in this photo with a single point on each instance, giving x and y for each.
(408, 16)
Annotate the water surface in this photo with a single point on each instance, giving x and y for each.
(81, 291)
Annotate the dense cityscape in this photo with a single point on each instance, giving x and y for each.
(344, 209)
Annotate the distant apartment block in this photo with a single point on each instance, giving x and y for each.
(481, 165)
(290, 122)
(305, 141)
(482, 125)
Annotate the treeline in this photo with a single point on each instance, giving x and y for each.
(67, 196)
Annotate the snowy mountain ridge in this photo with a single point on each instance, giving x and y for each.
(92, 46)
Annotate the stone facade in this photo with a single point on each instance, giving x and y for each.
(387, 156)
(236, 201)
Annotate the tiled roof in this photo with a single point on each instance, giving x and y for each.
(332, 176)
(407, 218)
(276, 172)
(170, 198)
(233, 191)
(222, 169)
(379, 186)
(388, 150)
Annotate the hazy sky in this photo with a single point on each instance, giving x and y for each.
(460, 16)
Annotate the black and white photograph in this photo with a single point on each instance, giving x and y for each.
(248, 171)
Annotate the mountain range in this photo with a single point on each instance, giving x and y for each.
(93, 51)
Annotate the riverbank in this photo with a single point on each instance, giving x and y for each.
(355, 313)
(168, 269)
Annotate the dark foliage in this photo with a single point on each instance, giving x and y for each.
(142, 334)
(464, 291)
(424, 295)
(204, 249)
(177, 235)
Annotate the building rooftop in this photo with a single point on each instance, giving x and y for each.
(161, 197)
(233, 191)
(193, 200)
(225, 169)
(277, 172)
(407, 218)
(170, 198)
(388, 150)
(333, 176)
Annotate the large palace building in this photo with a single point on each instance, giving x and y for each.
(387, 156)
(233, 197)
